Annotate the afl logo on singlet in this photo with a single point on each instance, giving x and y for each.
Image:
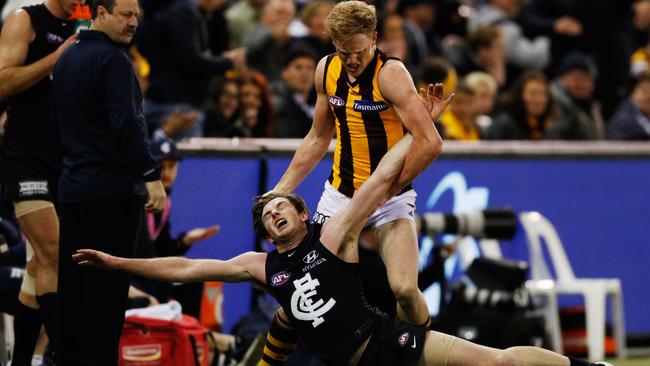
(281, 278)
(336, 101)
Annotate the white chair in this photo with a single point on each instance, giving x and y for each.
(6, 337)
(595, 291)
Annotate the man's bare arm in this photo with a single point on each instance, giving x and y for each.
(397, 87)
(16, 36)
(314, 146)
(344, 228)
(245, 267)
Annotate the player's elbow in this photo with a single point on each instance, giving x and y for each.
(432, 146)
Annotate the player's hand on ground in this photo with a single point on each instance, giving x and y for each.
(434, 101)
(90, 257)
(200, 233)
(157, 197)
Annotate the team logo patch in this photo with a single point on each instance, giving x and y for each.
(53, 38)
(142, 353)
(310, 257)
(280, 279)
(304, 304)
(336, 101)
(33, 188)
(403, 339)
(370, 106)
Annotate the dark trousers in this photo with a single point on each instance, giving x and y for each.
(91, 305)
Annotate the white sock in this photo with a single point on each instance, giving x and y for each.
(37, 360)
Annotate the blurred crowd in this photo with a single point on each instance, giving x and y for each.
(521, 69)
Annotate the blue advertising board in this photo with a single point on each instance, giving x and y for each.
(600, 208)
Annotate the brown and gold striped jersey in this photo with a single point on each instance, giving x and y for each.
(367, 125)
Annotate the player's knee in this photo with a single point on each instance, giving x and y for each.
(48, 254)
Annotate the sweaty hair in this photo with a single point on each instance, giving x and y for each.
(349, 18)
(109, 5)
(262, 201)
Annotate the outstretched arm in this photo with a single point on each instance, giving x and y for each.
(245, 267)
(314, 146)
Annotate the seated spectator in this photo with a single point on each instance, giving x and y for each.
(256, 116)
(521, 51)
(222, 107)
(631, 121)
(271, 38)
(436, 70)
(294, 96)
(174, 41)
(157, 240)
(392, 38)
(313, 17)
(483, 51)
(459, 119)
(573, 90)
(485, 90)
(528, 112)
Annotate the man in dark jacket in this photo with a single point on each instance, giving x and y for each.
(107, 173)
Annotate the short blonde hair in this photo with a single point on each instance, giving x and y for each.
(349, 18)
(474, 79)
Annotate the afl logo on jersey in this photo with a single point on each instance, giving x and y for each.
(310, 257)
(280, 279)
(336, 101)
(403, 339)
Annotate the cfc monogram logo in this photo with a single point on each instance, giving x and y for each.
(302, 305)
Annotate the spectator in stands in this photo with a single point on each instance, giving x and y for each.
(294, 96)
(157, 240)
(222, 106)
(573, 91)
(436, 70)
(522, 52)
(313, 15)
(256, 115)
(174, 40)
(528, 112)
(392, 38)
(485, 90)
(265, 43)
(609, 46)
(419, 17)
(632, 118)
(459, 119)
(485, 51)
(242, 18)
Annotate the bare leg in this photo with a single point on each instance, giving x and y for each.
(398, 248)
(444, 350)
(42, 229)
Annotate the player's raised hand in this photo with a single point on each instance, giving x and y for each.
(433, 99)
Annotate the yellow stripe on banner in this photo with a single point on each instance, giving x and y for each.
(280, 344)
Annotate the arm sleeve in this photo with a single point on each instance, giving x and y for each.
(124, 106)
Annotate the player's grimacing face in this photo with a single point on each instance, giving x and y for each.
(280, 218)
(356, 53)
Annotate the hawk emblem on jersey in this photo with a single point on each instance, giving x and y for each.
(303, 307)
(336, 101)
(370, 106)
